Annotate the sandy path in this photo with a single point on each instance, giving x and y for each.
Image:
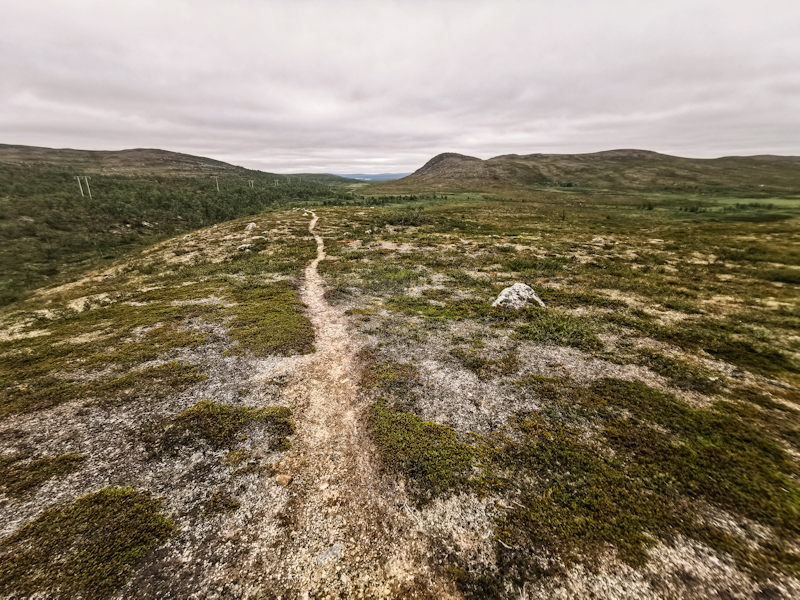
(348, 533)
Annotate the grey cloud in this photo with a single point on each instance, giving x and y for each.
(382, 86)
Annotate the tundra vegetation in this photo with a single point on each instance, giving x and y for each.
(653, 400)
(651, 407)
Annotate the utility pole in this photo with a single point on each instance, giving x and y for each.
(216, 179)
(88, 189)
(78, 177)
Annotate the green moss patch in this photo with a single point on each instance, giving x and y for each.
(220, 502)
(388, 375)
(486, 368)
(653, 467)
(268, 319)
(575, 298)
(558, 328)
(170, 375)
(430, 453)
(680, 372)
(139, 326)
(85, 548)
(455, 310)
(727, 339)
(537, 267)
(125, 336)
(381, 277)
(570, 498)
(548, 326)
(47, 392)
(18, 477)
(218, 424)
(117, 335)
(440, 295)
(668, 460)
(708, 453)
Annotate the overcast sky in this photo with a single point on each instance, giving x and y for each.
(345, 87)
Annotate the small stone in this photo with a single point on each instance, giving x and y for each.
(334, 552)
(517, 296)
(284, 479)
(250, 226)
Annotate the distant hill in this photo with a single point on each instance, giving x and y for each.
(51, 227)
(138, 161)
(636, 170)
(378, 177)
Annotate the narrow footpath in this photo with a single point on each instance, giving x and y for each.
(351, 534)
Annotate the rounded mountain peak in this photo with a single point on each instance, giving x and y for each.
(449, 156)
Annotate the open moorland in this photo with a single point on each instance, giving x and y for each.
(320, 401)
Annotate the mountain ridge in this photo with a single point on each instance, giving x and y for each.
(114, 161)
(618, 169)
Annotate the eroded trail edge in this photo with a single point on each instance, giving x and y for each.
(346, 529)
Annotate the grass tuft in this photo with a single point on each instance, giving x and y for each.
(83, 549)
(558, 328)
(19, 479)
(220, 502)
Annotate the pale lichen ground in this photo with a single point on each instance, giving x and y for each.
(347, 525)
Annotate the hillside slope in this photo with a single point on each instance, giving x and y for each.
(51, 226)
(636, 170)
(138, 161)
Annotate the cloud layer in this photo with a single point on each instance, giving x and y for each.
(375, 86)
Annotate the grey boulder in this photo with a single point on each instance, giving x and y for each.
(517, 296)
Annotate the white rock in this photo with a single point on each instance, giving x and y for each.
(244, 247)
(250, 226)
(517, 296)
(284, 479)
(598, 240)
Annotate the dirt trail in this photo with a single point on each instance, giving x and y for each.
(348, 533)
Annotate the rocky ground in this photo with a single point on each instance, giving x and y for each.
(387, 474)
